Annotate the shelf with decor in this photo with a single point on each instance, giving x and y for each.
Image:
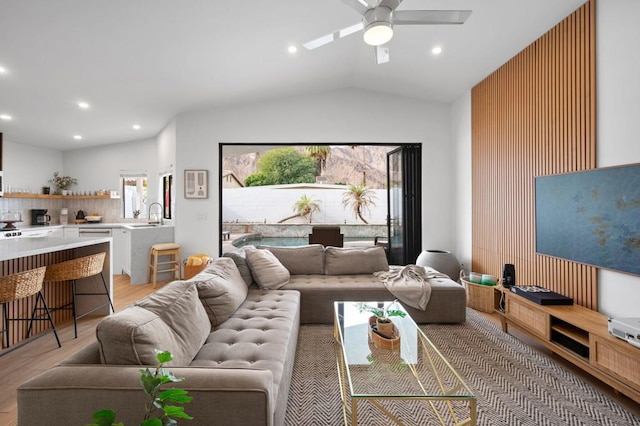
(55, 196)
(577, 334)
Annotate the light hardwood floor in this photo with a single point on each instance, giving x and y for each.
(42, 353)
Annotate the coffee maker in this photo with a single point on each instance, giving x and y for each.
(40, 217)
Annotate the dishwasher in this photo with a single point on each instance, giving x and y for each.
(94, 232)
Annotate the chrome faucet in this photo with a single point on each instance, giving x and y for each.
(156, 219)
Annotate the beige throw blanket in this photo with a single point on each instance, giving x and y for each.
(410, 283)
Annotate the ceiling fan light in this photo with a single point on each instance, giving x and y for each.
(378, 33)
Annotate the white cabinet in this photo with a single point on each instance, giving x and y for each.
(121, 251)
(142, 238)
(127, 252)
(41, 232)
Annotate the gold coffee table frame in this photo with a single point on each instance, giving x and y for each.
(417, 371)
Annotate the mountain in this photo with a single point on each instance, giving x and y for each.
(344, 164)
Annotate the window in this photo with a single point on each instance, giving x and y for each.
(134, 194)
(167, 199)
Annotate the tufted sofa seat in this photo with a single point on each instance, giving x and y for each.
(326, 275)
(261, 335)
(447, 304)
(234, 346)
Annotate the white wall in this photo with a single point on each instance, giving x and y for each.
(166, 151)
(618, 132)
(99, 167)
(461, 137)
(344, 116)
(29, 168)
(166, 145)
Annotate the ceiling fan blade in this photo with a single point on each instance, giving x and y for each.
(381, 53)
(360, 6)
(326, 39)
(430, 17)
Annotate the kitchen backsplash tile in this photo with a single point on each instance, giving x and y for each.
(109, 209)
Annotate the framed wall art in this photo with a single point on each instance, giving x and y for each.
(195, 184)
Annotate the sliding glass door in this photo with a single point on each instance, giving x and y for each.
(404, 194)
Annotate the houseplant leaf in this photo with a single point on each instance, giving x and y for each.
(174, 395)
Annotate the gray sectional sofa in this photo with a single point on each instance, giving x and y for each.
(326, 275)
(233, 343)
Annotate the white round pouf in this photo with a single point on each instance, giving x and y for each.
(442, 261)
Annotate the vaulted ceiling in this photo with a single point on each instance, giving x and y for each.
(145, 61)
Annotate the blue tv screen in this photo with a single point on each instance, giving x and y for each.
(591, 217)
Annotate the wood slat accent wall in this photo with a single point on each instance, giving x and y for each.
(56, 294)
(533, 116)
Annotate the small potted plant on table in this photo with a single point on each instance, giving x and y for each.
(382, 331)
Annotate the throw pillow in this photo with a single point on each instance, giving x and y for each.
(300, 260)
(240, 258)
(355, 260)
(266, 269)
(172, 319)
(221, 289)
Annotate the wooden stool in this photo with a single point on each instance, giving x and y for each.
(166, 249)
(19, 286)
(73, 270)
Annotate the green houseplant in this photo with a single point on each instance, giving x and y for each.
(62, 182)
(383, 316)
(157, 399)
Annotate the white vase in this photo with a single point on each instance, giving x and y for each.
(65, 192)
(442, 261)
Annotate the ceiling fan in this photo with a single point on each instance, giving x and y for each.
(378, 21)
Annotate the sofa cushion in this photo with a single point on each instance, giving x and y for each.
(240, 259)
(221, 289)
(355, 260)
(172, 319)
(300, 260)
(266, 268)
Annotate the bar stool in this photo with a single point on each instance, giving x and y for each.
(21, 285)
(166, 249)
(76, 269)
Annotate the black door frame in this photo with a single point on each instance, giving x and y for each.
(410, 237)
(400, 145)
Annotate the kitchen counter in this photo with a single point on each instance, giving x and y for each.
(22, 254)
(125, 225)
(131, 243)
(13, 248)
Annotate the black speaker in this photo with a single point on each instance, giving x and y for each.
(508, 275)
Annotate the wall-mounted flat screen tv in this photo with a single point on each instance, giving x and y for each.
(591, 217)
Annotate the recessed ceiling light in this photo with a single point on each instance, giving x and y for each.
(6, 117)
(436, 50)
(136, 127)
(3, 70)
(83, 105)
(77, 137)
(292, 49)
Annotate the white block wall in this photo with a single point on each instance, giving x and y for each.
(274, 203)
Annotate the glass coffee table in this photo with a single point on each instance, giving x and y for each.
(413, 370)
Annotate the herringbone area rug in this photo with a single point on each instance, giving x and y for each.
(514, 384)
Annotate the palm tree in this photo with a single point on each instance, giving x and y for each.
(304, 207)
(363, 167)
(319, 153)
(359, 198)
